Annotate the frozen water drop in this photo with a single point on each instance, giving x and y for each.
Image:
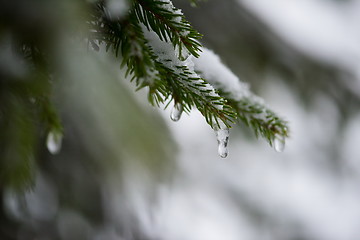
(279, 143)
(54, 141)
(222, 135)
(223, 150)
(176, 112)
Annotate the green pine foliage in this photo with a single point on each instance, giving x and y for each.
(29, 106)
(125, 38)
(169, 24)
(260, 119)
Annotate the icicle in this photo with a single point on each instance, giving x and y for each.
(54, 141)
(176, 112)
(223, 149)
(222, 135)
(279, 143)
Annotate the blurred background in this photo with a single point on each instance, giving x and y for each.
(126, 171)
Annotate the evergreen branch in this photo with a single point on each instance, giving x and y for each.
(40, 89)
(30, 114)
(185, 85)
(125, 38)
(262, 120)
(169, 78)
(169, 24)
(191, 90)
(165, 81)
(248, 107)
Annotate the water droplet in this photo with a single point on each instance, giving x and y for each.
(54, 141)
(222, 135)
(279, 143)
(176, 112)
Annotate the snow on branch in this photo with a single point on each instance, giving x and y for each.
(250, 109)
(187, 87)
(155, 63)
(170, 25)
(161, 51)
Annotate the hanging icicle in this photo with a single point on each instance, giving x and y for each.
(222, 135)
(279, 143)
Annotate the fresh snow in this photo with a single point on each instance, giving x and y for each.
(217, 74)
(169, 58)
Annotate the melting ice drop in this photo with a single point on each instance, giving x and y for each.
(279, 143)
(176, 112)
(222, 135)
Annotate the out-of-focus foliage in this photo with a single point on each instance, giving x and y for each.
(27, 38)
(47, 73)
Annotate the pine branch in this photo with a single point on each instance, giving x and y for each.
(40, 90)
(248, 107)
(167, 79)
(263, 121)
(155, 64)
(190, 90)
(19, 96)
(125, 38)
(169, 24)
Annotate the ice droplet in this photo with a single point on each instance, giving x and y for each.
(222, 135)
(176, 112)
(222, 149)
(54, 141)
(279, 143)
